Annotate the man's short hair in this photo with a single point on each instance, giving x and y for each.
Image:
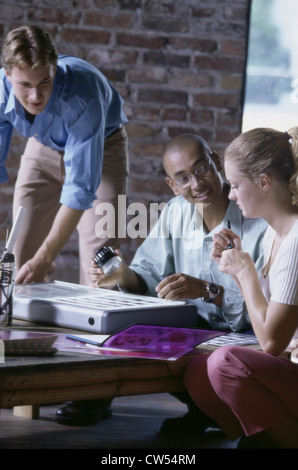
(28, 46)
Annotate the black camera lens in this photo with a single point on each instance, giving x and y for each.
(107, 260)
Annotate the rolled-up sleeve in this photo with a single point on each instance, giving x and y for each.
(83, 156)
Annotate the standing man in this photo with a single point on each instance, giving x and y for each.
(76, 155)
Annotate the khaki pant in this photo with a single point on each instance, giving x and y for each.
(38, 188)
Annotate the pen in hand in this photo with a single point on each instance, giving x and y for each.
(229, 227)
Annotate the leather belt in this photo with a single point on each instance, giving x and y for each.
(115, 131)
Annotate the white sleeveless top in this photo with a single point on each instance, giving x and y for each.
(280, 283)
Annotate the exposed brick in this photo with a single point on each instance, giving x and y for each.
(168, 24)
(141, 131)
(202, 131)
(140, 40)
(216, 100)
(230, 47)
(219, 63)
(124, 91)
(71, 49)
(85, 35)
(105, 20)
(148, 149)
(203, 12)
(191, 79)
(11, 12)
(127, 4)
(148, 165)
(146, 113)
(170, 60)
(231, 82)
(231, 29)
(196, 44)
(102, 57)
(163, 96)
(174, 114)
(235, 12)
(53, 15)
(151, 75)
(224, 135)
(114, 75)
(202, 117)
(140, 186)
(160, 8)
(229, 118)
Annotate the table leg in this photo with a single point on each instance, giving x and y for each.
(29, 412)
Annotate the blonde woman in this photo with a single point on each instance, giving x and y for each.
(253, 393)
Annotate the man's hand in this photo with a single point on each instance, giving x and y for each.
(37, 268)
(116, 277)
(180, 286)
(34, 271)
(124, 276)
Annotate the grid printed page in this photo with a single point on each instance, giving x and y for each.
(101, 299)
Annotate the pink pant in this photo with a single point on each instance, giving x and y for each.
(244, 390)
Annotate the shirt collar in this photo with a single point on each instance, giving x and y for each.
(234, 215)
(54, 105)
(10, 106)
(14, 105)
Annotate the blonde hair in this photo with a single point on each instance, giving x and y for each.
(28, 46)
(265, 150)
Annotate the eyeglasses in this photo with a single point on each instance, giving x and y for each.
(199, 173)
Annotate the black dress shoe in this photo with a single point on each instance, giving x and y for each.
(82, 413)
(257, 441)
(191, 424)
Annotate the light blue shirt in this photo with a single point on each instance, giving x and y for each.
(179, 243)
(84, 108)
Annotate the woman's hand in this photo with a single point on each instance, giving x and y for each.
(235, 262)
(222, 241)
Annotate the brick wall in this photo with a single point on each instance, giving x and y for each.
(179, 65)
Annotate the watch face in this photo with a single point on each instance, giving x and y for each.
(213, 288)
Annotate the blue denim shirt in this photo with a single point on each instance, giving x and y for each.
(83, 109)
(178, 243)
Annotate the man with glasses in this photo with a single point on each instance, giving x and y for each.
(174, 261)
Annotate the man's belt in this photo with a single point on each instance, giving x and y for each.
(115, 131)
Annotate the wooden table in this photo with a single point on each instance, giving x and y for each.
(26, 383)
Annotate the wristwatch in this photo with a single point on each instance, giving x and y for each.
(212, 290)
